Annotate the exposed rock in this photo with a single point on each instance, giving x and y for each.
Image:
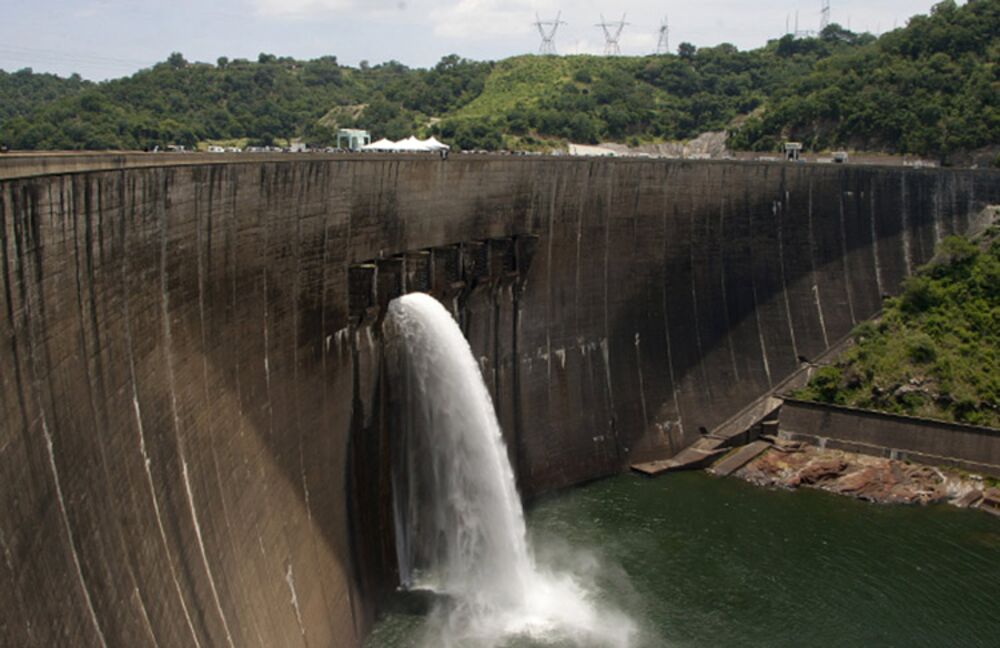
(818, 470)
(873, 479)
(711, 144)
(969, 499)
(867, 483)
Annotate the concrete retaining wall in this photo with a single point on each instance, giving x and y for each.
(888, 435)
(193, 436)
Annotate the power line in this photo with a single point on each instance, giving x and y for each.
(547, 30)
(612, 32)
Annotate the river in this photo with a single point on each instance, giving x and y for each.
(701, 561)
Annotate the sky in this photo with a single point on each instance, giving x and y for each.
(101, 39)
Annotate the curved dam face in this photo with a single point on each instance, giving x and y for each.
(196, 424)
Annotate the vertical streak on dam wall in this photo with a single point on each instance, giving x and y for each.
(194, 427)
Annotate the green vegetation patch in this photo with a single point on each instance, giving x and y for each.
(935, 352)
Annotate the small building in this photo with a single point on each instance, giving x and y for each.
(353, 139)
(793, 151)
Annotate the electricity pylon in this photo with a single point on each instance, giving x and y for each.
(612, 32)
(824, 15)
(663, 45)
(547, 30)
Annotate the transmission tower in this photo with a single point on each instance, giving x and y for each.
(547, 30)
(824, 15)
(663, 45)
(612, 32)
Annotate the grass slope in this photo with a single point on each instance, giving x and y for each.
(531, 81)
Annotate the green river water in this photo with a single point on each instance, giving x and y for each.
(700, 561)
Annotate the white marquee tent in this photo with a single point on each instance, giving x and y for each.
(381, 145)
(435, 145)
(409, 145)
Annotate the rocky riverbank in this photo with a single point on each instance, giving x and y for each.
(887, 481)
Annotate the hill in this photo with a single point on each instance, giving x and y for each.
(935, 351)
(930, 88)
(587, 99)
(473, 104)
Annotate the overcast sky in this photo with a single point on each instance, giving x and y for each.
(110, 38)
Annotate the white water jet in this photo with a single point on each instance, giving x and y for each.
(460, 527)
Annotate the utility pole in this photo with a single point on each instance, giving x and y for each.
(612, 32)
(663, 45)
(824, 15)
(547, 30)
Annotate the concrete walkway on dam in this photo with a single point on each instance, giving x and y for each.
(197, 428)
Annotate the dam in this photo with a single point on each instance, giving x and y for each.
(197, 427)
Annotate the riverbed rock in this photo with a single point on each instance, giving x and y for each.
(970, 498)
(818, 470)
(869, 483)
(874, 479)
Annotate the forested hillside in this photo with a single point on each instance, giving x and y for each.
(517, 101)
(22, 92)
(930, 88)
(264, 100)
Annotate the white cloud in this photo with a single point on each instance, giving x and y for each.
(581, 46)
(300, 8)
(320, 8)
(638, 42)
(475, 19)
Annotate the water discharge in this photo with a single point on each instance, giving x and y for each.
(460, 528)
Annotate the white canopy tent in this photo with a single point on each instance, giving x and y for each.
(409, 145)
(381, 145)
(435, 145)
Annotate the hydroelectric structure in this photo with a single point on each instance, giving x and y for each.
(197, 416)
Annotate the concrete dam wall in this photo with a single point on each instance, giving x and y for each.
(196, 427)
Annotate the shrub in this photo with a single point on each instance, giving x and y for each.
(919, 295)
(824, 386)
(920, 348)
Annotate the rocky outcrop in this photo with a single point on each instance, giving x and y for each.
(707, 145)
(874, 479)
